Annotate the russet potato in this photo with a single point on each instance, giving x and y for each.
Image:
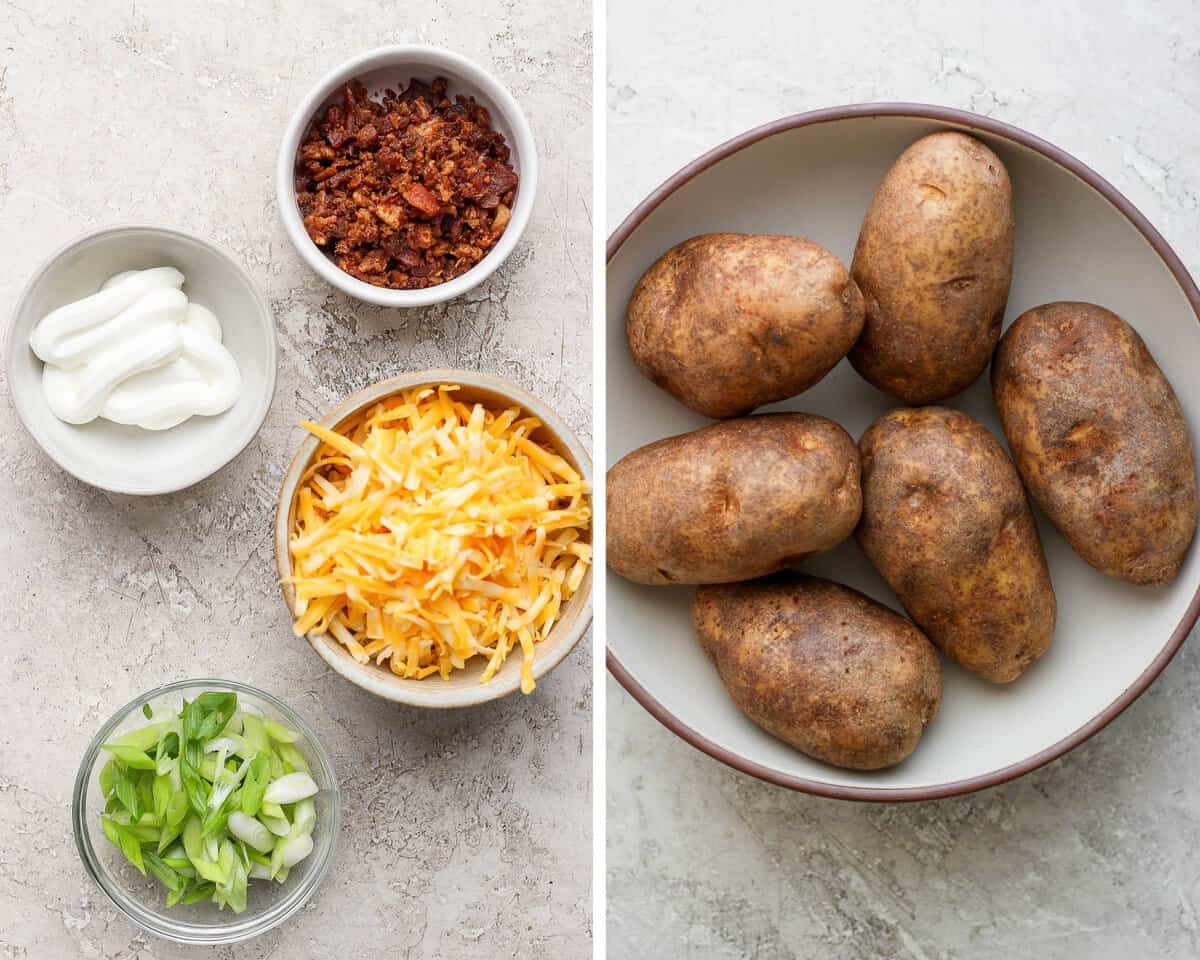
(947, 524)
(727, 322)
(934, 262)
(822, 667)
(1100, 439)
(732, 501)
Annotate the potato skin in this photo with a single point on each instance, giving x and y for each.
(934, 262)
(727, 322)
(1100, 439)
(946, 522)
(822, 667)
(732, 501)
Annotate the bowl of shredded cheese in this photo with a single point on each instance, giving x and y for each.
(433, 539)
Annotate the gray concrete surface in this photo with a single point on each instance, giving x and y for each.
(1094, 856)
(466, 835)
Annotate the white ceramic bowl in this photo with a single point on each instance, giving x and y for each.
(463, 688)
(393, 67)
(1077, 239)
(127, 459)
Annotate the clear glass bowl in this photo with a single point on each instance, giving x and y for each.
(143, 899)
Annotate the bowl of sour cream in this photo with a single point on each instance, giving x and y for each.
(141, 359)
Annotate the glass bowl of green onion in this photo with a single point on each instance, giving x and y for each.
(207, 811)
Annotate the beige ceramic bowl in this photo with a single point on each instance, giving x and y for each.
(463, 689)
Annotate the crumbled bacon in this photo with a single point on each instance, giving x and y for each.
(407, 191)
(420, 197)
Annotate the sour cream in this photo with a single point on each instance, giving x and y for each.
(137, 352)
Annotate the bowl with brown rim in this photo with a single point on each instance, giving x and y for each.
(463, 688)
(1077, 238)
(393, 67)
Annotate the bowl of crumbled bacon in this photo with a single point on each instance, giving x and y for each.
(407, 176)
(433, 539)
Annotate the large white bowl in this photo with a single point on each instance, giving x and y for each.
(463, 688)
(126, 459)
(1077, 239)
(393, 67)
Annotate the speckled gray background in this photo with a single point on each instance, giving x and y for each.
(1097, 855)
(466, 835)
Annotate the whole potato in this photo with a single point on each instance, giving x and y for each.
(934, 262)
(946, 522)
(823, 668)
(1099, 438)
(733, 500)
(727, 322)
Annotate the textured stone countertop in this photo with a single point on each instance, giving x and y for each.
(465, 834)
(1094, 856)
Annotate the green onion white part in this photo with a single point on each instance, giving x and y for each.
(209, 799)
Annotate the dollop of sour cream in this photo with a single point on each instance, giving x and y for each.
(137, 352)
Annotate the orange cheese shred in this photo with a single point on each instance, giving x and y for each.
(431, 531)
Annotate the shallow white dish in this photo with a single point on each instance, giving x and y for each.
(126, 459)
(1077, 239)
(393, 67)
(462, 688)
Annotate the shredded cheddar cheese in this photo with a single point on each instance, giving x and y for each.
(431, 531)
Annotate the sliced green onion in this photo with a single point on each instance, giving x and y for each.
(259, 872)
(280, 733)
(143, 738)
(166, 874)
(162, 796)
(296, 849)
(292, 758)
(201, 891)
(234, 726)
(290, 788)
(197, 799)
(304, 816)
(255, 733)
(255, 785)
(273, 810)
(124, 839)
(107, 773)
(130, 756)
(231, 744)
(125, 789)
(251, 832)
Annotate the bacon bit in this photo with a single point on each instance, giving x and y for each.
(319, 228)
(406, 256)
(503, 180)
(374, 262)
(420, 197)
(365, 229)
(422, 236)
(317, 151)
(408, 191)
(389, 213)
(391, 160)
